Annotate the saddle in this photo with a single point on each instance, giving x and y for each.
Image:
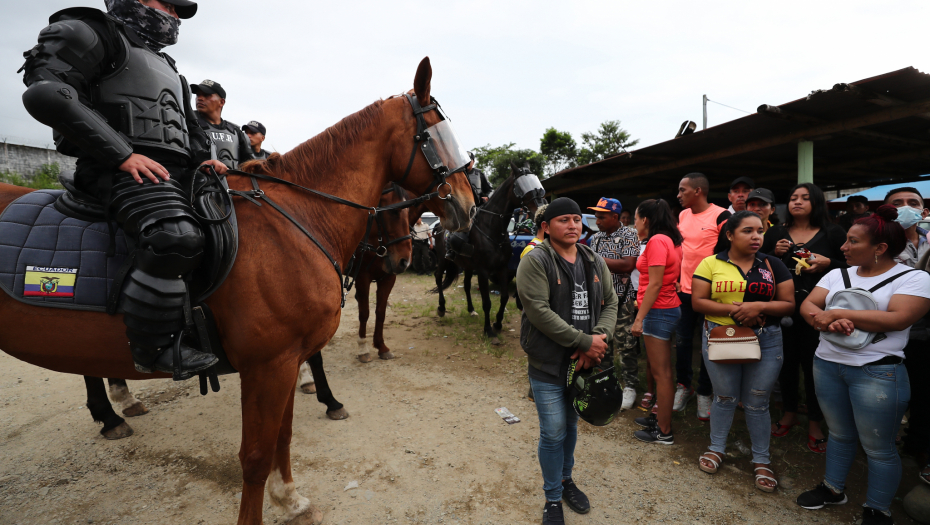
(54, 246)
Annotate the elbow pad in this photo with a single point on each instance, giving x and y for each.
(56, 105)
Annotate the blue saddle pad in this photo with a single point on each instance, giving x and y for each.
(50, 259)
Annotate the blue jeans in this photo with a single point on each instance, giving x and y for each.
(684, 347)
(750, 383)
(661, 322)
(558, 433)
(863, 404)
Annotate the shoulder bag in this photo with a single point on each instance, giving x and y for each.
(733, 344)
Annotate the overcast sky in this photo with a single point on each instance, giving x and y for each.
(507, 70)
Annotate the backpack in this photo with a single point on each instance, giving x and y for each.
(856, 299)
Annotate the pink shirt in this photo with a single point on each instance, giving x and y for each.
(699, 231)
(660, 251)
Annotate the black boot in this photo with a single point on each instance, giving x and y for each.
(162, 360)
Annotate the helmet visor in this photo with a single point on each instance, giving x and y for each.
(450, 152)
(527, 184)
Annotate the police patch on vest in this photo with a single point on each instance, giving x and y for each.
(44, 281)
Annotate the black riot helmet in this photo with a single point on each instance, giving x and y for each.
(595, 393)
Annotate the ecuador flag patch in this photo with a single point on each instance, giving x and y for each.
(43, 281)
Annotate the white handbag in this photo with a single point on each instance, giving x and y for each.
(733, 345)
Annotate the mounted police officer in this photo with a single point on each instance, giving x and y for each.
(256, 133)
(232, 146)
(118, 104)
(479, 182)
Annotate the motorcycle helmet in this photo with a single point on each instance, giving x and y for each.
(595, 393)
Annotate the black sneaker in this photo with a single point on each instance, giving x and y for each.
(820, 496)
(871, 516)
(576, 499)
(654, 435)
(650, 421)
(552, 513)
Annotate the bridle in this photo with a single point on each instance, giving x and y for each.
(440, 171)
(381, 250)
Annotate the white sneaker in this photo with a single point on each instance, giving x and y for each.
(703, 407)
(629, 397)
(682, 396)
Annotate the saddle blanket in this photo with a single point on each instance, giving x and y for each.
(50, 259)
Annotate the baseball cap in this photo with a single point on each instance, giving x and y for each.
(762, 194)
(209, 87)
(608, 205)
(743, 180)
(184, 8)
(255, 127)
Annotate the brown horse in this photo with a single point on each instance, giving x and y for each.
(280, 281)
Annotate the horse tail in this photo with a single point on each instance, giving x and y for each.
(451, 277)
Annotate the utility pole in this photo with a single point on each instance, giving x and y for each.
(705, 113)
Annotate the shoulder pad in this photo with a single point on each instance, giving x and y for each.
(76, 13)
(75, 36)
(231, 127)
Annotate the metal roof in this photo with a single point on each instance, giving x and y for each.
(865, 133)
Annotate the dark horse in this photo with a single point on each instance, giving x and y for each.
(388, 253)
(280, 280)
(492, 250)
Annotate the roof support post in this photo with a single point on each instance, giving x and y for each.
(805, 161)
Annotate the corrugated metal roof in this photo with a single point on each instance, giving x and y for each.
(869, 132)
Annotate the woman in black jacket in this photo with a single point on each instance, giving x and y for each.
(807, 234)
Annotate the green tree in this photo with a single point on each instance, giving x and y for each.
(45, 179)
(560, 150)
(495, 161)
(610, 139)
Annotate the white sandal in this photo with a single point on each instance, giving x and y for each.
(760, 477)
(706, 457)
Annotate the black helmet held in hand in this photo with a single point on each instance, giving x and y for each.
(595, 393)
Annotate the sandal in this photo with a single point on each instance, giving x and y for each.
(760, 477)
(647, 401)
(782, 430)
(716, 462)
(813, 444)
(925, 475)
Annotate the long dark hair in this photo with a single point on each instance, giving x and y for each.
(733, 224)
(660, 218)
(820, 218)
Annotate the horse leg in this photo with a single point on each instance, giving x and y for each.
(362, 288)
(305, 378)
(267, 402)
(440, 271)
(467, 290)
(384, 291)
(281, 490)
(484, 286)
(130, 406)
(334, 409)
(505, 296)
(114, 427)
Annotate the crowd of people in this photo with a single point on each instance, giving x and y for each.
(842, 302)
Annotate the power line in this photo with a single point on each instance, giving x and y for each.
(731, 107)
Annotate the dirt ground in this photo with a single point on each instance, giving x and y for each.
(422, 442)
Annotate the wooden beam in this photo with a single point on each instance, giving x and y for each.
(879, 99)
(883, 115)
(857, 164)
(775, 111)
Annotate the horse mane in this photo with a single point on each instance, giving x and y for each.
(319, 154)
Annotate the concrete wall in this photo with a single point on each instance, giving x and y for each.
(28, 160)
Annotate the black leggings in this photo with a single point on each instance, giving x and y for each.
(800, 343)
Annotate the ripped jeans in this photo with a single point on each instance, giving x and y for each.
(750, 383)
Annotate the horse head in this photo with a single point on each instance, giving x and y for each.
(427, 156)
(394, 231)
(527, 191)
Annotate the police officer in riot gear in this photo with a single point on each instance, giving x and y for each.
(232, 146)
(255, 131)
(119, 105)
(479, 182)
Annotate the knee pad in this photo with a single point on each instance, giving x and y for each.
(170, 247)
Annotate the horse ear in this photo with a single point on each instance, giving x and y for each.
(421, 82)
(513, 167)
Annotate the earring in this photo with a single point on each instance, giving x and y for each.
(876, 258)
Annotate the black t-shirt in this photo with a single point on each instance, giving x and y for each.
(826, 242)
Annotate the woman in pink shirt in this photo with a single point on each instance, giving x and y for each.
(659, 267)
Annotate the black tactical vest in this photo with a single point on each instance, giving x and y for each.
(143, 99)
(226, 140)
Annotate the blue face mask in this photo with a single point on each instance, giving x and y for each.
(908, 216)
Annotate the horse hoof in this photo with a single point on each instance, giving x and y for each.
(386, 355)
(498, 327)
(120, 431)
(313, 516)
(136, 409)
(473, 313)
(441, 313)
(495, 341)
(364, 358)
(309, 388)
(338, 415)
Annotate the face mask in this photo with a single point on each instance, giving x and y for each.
(157, 28)
(908, 216)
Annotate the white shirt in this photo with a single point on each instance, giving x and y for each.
(915, 283)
